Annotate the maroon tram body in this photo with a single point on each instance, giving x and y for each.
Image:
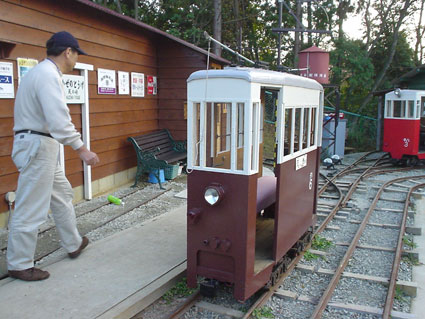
(242, 236)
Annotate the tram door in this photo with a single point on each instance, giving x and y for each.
(265, 220)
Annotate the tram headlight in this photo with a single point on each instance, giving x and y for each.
(213, 194)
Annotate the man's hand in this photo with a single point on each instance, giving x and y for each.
(88, 157)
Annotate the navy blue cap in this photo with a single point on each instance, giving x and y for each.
(64, 40)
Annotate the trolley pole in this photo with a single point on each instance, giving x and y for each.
(279, 48)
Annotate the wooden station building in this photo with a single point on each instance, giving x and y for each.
(116, 45)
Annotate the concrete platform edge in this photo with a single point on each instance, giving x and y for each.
(146, 295)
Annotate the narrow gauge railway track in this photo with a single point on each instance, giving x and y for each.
(325, 298)
(377, 167)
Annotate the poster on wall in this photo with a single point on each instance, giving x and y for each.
(106, 82)
(7, 90)
(152, 87)
(24, 65)
(123, 82)
(74, 88)
(137, 84)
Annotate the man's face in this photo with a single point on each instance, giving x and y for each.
(71, 59)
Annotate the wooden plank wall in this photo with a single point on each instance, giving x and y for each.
(111, 44)
(175, 64)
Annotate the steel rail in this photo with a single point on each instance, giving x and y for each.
(323, 188)
(324, 300)
(185, 306)
(357, 181)
(396, 264)
(333, 211)
(261, 301)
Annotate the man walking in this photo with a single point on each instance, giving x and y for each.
(42, 122)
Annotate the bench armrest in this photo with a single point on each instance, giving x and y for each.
(180, 146)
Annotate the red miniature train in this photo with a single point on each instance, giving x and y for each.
(404, 126)
(241, 223)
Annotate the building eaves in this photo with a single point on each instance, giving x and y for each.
(153, 30)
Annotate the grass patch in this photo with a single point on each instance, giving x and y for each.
(311, 256)
(411, 260)
(321, 243)
(263, 312)
(400, 296)
(180, 290)
(409, 242)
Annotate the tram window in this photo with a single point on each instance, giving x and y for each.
(388, 113)
(288, 130)
(411, 109)
(305, 127)
(313, 126)
(222, 125)
(399, 109)
(297, 144)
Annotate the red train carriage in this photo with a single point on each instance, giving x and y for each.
(404, 126)
(241, 224)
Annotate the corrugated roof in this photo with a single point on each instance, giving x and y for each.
(152, 29)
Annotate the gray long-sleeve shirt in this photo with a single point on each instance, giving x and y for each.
(40, 105)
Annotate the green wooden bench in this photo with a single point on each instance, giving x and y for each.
(156, 150)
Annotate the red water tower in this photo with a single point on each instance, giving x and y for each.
(314, 64)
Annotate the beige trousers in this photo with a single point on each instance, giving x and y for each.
(41, 185)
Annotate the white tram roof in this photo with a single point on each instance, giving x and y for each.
(405, 95)
(252, 75)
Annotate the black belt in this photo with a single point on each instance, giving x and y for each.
(33, 132)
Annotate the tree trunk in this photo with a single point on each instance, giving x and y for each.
(217, 27)
(390, 57)
(420, 32)
(136, 10)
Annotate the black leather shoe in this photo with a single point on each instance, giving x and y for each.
(83, 245)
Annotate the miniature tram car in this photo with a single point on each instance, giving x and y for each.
(404, 126)
(242, 226)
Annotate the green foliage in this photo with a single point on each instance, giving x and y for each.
(321, 243)
(180, 290)
(353, 70)
(309, 256)
(411, 260)
(399, 295)
(409, 242)
(263, 312)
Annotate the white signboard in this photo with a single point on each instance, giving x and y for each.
(7, 90)
(106, 82)
(137, 84)
(74, 88)
(123, 82)
(300, 162)
(24, 65)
